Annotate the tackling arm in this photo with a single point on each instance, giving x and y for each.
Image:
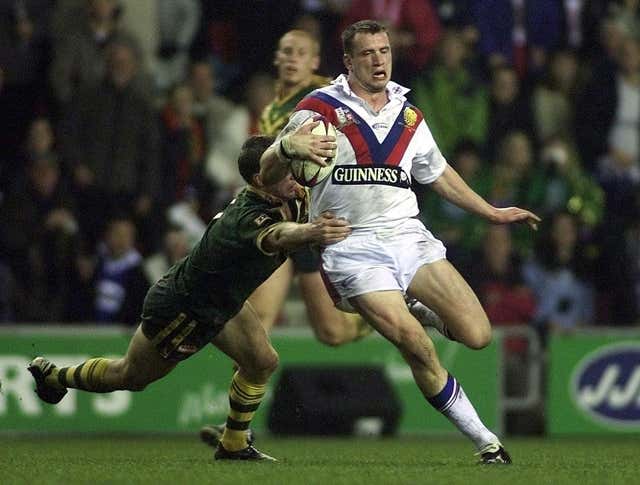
(325, 230)
(454, 189)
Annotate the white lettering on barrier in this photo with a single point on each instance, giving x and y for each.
(608, 390)
(17, 385)
(207, 402)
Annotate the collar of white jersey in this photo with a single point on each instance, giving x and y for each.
(394, 90)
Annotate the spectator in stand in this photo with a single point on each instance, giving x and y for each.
(554, 98)
(515, 181)
(612, 32)
(454, 13)
(24, 59)
(175, 246)
(513, 172)
(413, 26)
(40, 140)
(191, 214)
(39, 144)
(593, 20)
(208, 108)
(567, 186)
(182, 145)
(608, 134)
(607, 121)
(252, 28)
(114, 280)
(179, 21)
(499, 284)
(509, 109)
(141, 19)
(449, 92)
(80, 45)
(113, 147)
(38, 231)
(518, 32)
(24, 43)
(556, 274)
(627, 12)
(240, 122)
(462, 232)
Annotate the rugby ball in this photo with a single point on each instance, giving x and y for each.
(309, 173)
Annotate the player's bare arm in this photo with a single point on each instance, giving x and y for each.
(301, 144)
(326, 229)
(453, 188)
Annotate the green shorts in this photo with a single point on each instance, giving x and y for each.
(306, 259)
(172, 327)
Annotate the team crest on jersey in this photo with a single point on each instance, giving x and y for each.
(261, 219)
(345, 117)
(410, 117)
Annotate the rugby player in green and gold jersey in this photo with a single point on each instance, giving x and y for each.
(203, 297)
(296, 59)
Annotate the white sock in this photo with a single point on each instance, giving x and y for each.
(455, 405)
(428, 318)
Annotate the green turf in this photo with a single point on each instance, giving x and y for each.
(183, 460)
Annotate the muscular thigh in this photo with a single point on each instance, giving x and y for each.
(268, 298)
(387, 312)
(143, 361)
(439, 286)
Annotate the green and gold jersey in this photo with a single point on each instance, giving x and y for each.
(275, 115)
(229, 262)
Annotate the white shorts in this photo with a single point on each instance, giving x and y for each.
(378, 261)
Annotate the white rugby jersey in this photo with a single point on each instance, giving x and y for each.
(378, 156)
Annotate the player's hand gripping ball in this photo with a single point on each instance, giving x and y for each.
(307, 172)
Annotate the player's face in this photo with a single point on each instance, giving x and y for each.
(369, 63)
(296, 59)
(286, 189)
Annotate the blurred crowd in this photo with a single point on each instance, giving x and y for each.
(121, 121)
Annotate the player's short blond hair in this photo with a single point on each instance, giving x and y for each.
(315, 44)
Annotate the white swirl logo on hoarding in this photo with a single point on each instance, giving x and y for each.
(606, 385)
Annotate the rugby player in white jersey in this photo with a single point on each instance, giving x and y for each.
(382, 145)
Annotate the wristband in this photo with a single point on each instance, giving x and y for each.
(285, 149)
(282, 157)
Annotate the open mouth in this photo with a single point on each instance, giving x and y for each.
(380, 74)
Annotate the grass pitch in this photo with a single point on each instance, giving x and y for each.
(184, 460)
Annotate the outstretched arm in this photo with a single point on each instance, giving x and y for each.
(451, 187)
(326, 229)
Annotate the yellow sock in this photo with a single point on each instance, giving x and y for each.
(88, 376)
(244, 399)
